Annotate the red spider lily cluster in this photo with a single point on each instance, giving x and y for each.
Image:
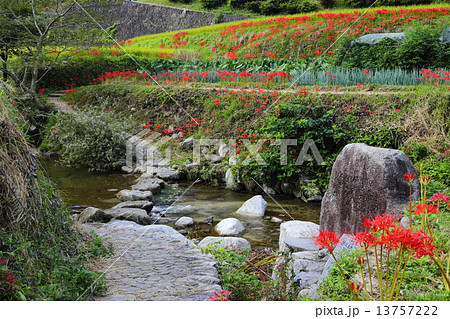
(435, 76)
(9, 278)
(221, 296)
(392, 245)
(317, 32)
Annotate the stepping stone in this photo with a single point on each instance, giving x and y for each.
(301, 244)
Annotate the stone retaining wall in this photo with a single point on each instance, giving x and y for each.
(136, 18)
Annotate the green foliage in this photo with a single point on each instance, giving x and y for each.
(334, 287)
(212, 4)
(238, 3)
(247, 275)
(96, 142)
(48, 261)
(181, 1)
(302, 6)
(420, 49)
(328, 3)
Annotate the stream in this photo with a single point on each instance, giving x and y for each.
(79, 187)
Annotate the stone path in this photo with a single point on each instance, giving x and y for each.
(158, 263)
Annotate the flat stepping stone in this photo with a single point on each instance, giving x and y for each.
(301, 244)
(153, 262)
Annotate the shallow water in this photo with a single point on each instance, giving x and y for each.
(80, 187)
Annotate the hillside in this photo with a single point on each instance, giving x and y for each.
(315, 35)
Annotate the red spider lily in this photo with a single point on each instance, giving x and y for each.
(380, 222)
(364, 239)
(327, 239)
(11, 280)
(439, 197)
(425, 209)
(221, 296)
(366, 72)
(425, 179)
(356, 287)
(409, 177)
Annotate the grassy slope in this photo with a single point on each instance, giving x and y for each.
(282, 36)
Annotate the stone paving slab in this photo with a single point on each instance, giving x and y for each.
(158, 264)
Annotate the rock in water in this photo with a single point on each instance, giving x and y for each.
(184, 222)
(255, 206)
(92, 214)
(134, 195)
(229, 227)
(366, 181)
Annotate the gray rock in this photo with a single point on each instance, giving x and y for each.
(188, 143)
(306, 255)
(250, 186)
(232, 243)
(134, 195)
(167, 174)
(296, 229)
(305, 279)
(231, 181)
(184, 222)
(366, 179)
(308, 265)
(148, 185)
(276, 220)
(208, 220)
(315, 199)
(269, 190)
(223, 150)
(92, 214)
(254, 207)
(137, 215)
(310, 291)
(286, 188)
(144, 178)
(300, 244)
(229, 227)
(142, 204)
(345, 245)
(127, 170)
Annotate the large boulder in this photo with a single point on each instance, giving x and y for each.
(229, 227)
(366, 181)
(231, 243)
(254, 207)
(137, 215)
(134, 195)
(296, 229)
(92, 214)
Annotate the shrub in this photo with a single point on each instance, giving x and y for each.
(328, 3)
(356, 3)
(181, 1)
(212, 4)
(271, 7)
(93, 141)
(238, 3)
(421, 48)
